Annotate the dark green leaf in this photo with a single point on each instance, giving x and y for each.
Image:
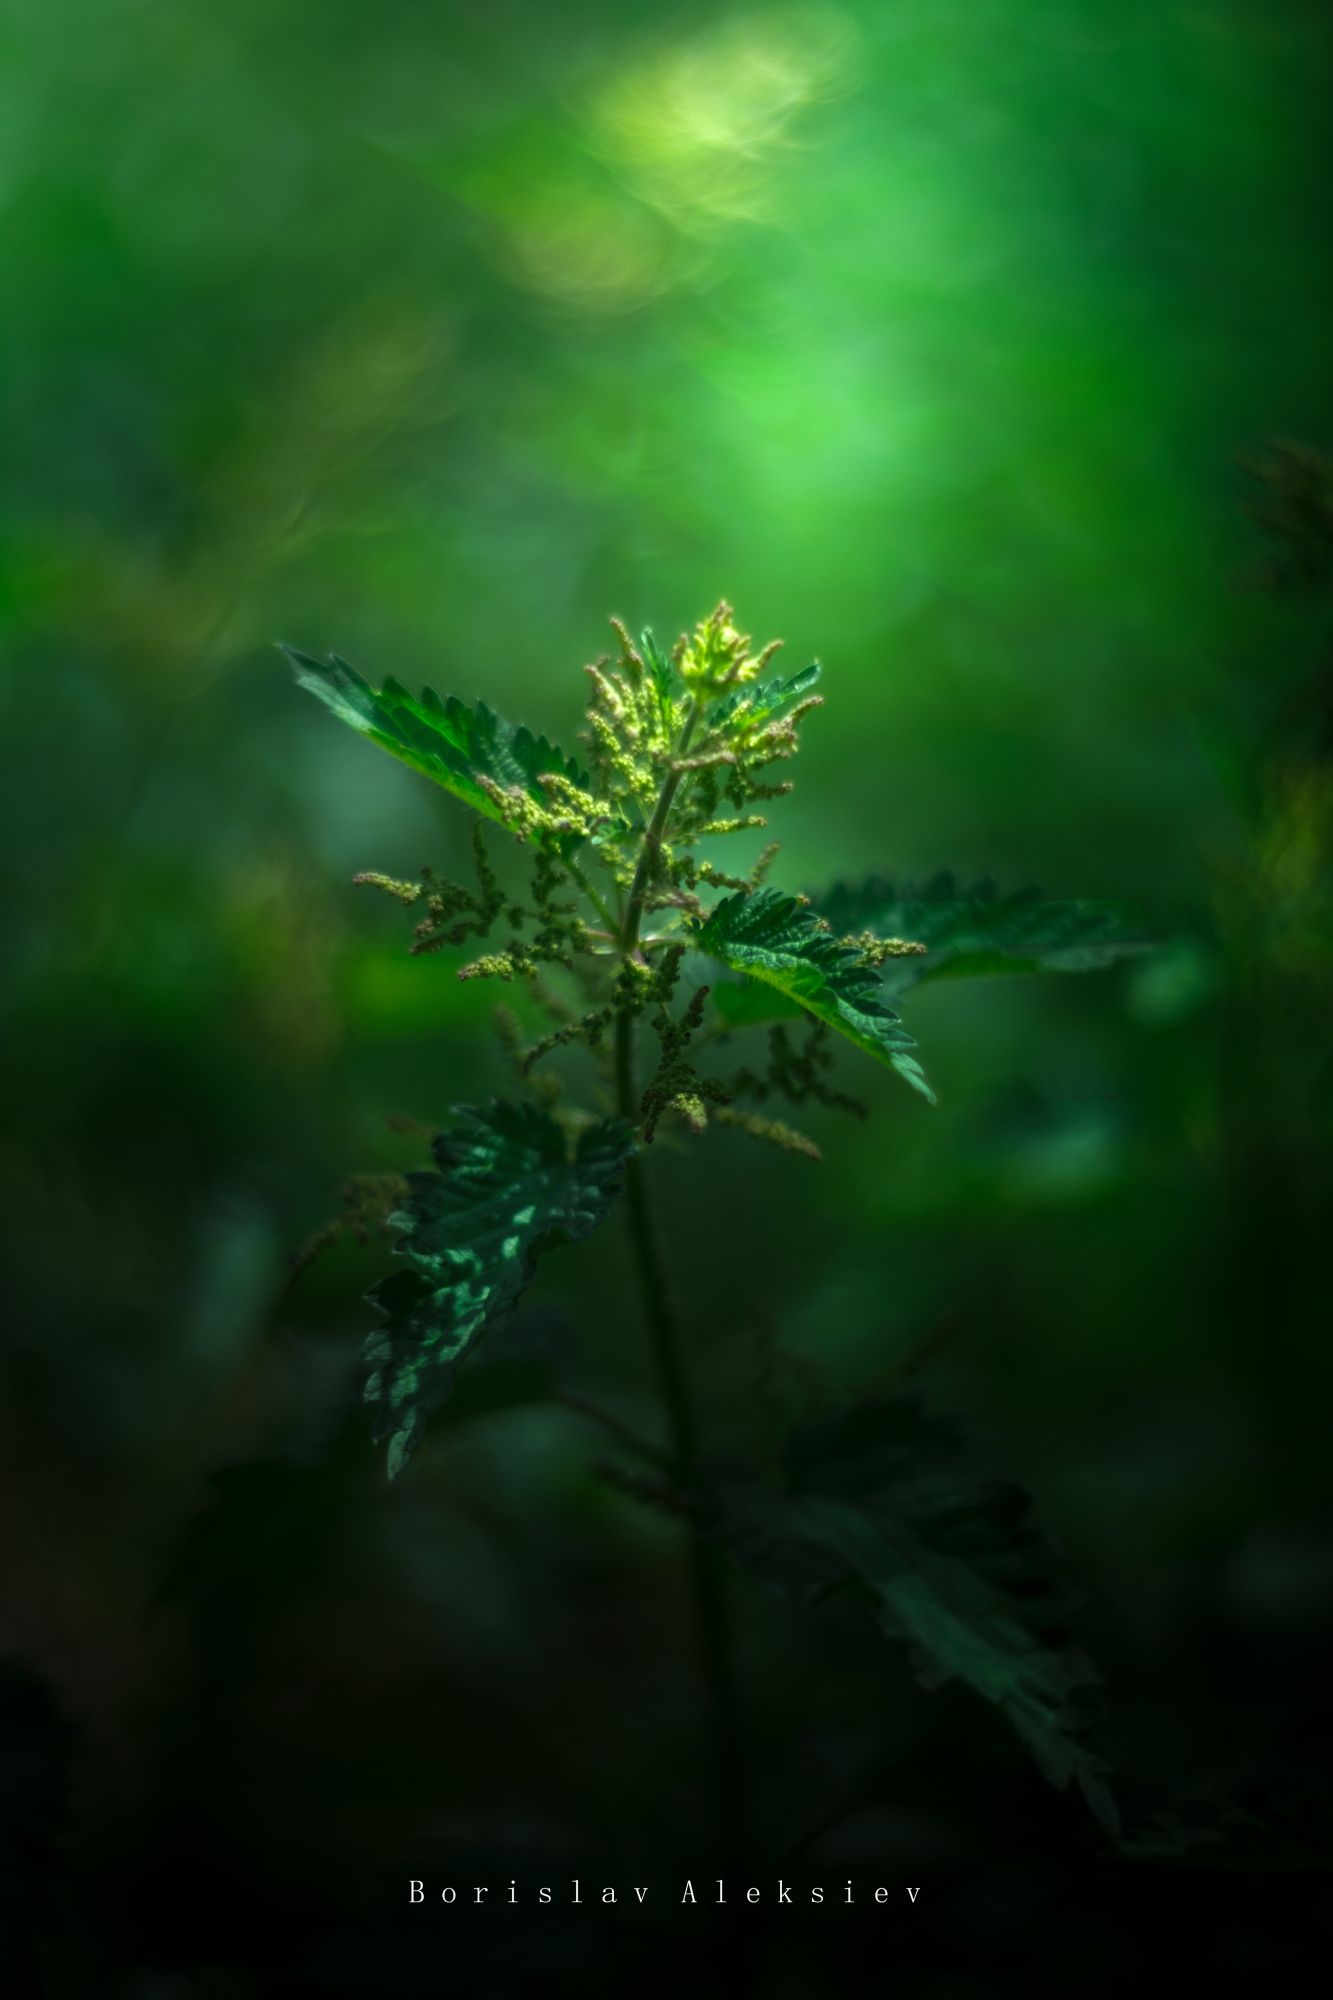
(977, 930)
(1267, 1812)
(885, 1497)
(455, 745)
(508, 1188)
(776, 940)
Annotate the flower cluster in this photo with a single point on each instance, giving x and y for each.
(680, 748)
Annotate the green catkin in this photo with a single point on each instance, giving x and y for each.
(403, 892)
(369, 1201)
(796, 1073)
(877, 950)
(676, 1085)
(772, 1131)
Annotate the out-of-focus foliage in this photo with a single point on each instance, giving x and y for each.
(883, 1496)
(947, 337)
(966, 932)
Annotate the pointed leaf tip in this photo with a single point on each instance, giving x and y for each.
(493, 766)
(776, 939)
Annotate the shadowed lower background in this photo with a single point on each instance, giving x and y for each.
(935, 336)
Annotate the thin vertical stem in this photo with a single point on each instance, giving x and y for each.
(712, 1621)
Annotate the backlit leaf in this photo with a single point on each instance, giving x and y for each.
(887, 1499)
(780, 943)
(470, 751)
(758, 703)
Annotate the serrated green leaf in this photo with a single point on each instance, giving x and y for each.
(760, 703)
(974, 931)
(454, 745)
(779, 942)
(887, 1498)
(664, 676)
(744, 1003)
(508, 1188)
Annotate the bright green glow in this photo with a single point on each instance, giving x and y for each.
(699, 125)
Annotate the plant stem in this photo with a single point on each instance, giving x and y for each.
(646, 866)
(616, 1426)
(712, 1622)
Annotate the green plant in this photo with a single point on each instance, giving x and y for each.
(614, 934)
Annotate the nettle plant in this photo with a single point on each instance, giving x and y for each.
(632, 942)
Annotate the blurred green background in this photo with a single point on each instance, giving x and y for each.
(933, 334)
